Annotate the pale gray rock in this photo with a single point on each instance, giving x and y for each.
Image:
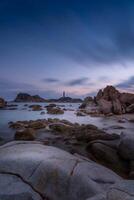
(50, 173)
(12, 187)
(123, 190)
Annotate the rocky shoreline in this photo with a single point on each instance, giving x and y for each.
(55, 159)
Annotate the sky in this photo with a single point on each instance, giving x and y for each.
(77, 46)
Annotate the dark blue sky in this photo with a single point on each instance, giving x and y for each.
(47, 46)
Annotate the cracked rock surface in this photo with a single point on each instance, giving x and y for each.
(33, 171)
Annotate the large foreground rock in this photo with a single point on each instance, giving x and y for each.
(32, 171)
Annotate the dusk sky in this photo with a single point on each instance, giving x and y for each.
(77, 46)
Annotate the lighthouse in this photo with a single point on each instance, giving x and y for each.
(64, 95)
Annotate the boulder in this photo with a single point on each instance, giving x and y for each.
(126, 147)
(105, 106)
(87, 101)
(25, 134)
(55, 110)
(33, 171)
(123, 190)
(37, 124)
(90, 133)
(108, 156)
(36, 107)
(60, 127)
(117, 107)
(2, 103)
(130, 109)
(109, 94)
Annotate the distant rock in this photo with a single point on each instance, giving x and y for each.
(24, 97)
(2, 103)
(36, 107)
(66, 100)
(54, 110)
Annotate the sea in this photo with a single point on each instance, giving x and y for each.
(109, 124)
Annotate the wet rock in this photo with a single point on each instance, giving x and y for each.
(36, 107)
(42, 113)
(37, 124)
(122, 120)
(31, 170)
(86, 102)
(51, 105)
(61, 128)
(126, 147)
(25, 134)
(80, 114)
(89, 133)
(108, 156)
(55, 110)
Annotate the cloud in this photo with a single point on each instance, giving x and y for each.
(9, 85)
(51, 80)
(127, 84)
(78, 82)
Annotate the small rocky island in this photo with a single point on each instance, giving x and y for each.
(24, 97)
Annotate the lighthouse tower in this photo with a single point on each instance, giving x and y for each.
(64, 94)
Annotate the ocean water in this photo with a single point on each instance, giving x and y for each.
(106, 123)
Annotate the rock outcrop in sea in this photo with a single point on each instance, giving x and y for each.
(110, 101)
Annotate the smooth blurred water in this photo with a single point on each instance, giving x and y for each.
(20, 114)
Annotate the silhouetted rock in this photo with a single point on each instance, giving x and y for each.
(2, 103)
(24, 97)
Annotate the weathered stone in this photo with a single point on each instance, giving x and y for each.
(117, 107)
(25, 134)
(105, 106)
(108, 156)
(126, 147)
(122, 190)
(45, 172)
(55, 110)
(36, 107)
